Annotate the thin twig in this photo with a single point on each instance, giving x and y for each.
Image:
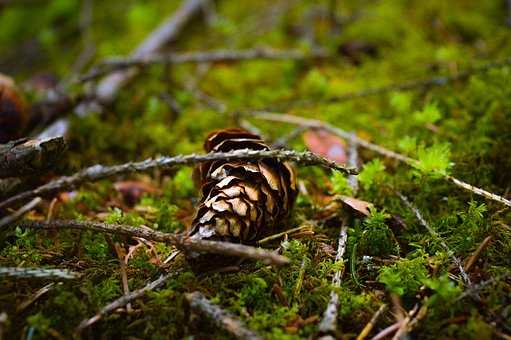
(180, 241)
(370, 325)
(388, 331)
(313, 123)
(99, 172)
(124, 300)
(284, 233)
(353, 163)
(223, 319)
(116, 64)
(329, 322)
(403, 328)
(472, 260)
(433, 233)
(45, 273)
(21, 307)
(20, 212)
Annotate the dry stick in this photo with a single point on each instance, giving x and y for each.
(317, 124)
(472, 260)
(116, 64)
(26, 157)
(123, 301)
(284, 233)
(178, 240)
(223, 319)
(403, 328)
(99, 172)
(433, 233)
(369, 326)
(21, 307)
(329, 322)
(20, 212)
(387, 331)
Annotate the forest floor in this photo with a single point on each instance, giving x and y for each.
(425, 254)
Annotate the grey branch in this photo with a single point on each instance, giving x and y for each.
(26, 157)
(37, 273)
(180, 241)
(99, 172)
(220, 317)
(433, 233)
(116, 64)
(317, 124)
(123, 301)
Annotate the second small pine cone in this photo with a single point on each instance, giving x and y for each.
(244, 200)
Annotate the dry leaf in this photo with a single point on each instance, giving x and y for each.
(357, 205)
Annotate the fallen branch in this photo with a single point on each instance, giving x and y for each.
(43, 273)
(220, 317)
(178, 240)
(99, 172)
(20, 212)
(317, 124)
(116, 64)
(435, 235)
(27, 157)
(123, 301)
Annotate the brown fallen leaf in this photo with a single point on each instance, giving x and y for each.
(325, 144)
(359, 206)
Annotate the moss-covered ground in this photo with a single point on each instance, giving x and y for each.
(462, 128)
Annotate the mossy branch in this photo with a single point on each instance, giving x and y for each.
(317, 124)
(99, 172)
(220, 317)
(178, 240)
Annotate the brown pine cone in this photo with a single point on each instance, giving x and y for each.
(242, 201)
(13, 115)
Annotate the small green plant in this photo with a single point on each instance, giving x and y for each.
(433, 161)
(405, 276)
(372, 173)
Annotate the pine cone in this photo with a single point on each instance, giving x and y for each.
(242, 201)
(13, 116)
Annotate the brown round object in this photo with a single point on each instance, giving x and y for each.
(13, 114)
(242, 201)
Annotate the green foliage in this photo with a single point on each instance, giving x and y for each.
(371, 174)
(376, 237)
(445, 290)
(430, 114)
(405, 276)
(433, 161)
(340, 184)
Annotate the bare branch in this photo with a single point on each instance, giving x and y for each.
(317, 124)
(116, 64)
(99, 172)
(220, 317)
(180, 241)
(26, 157)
